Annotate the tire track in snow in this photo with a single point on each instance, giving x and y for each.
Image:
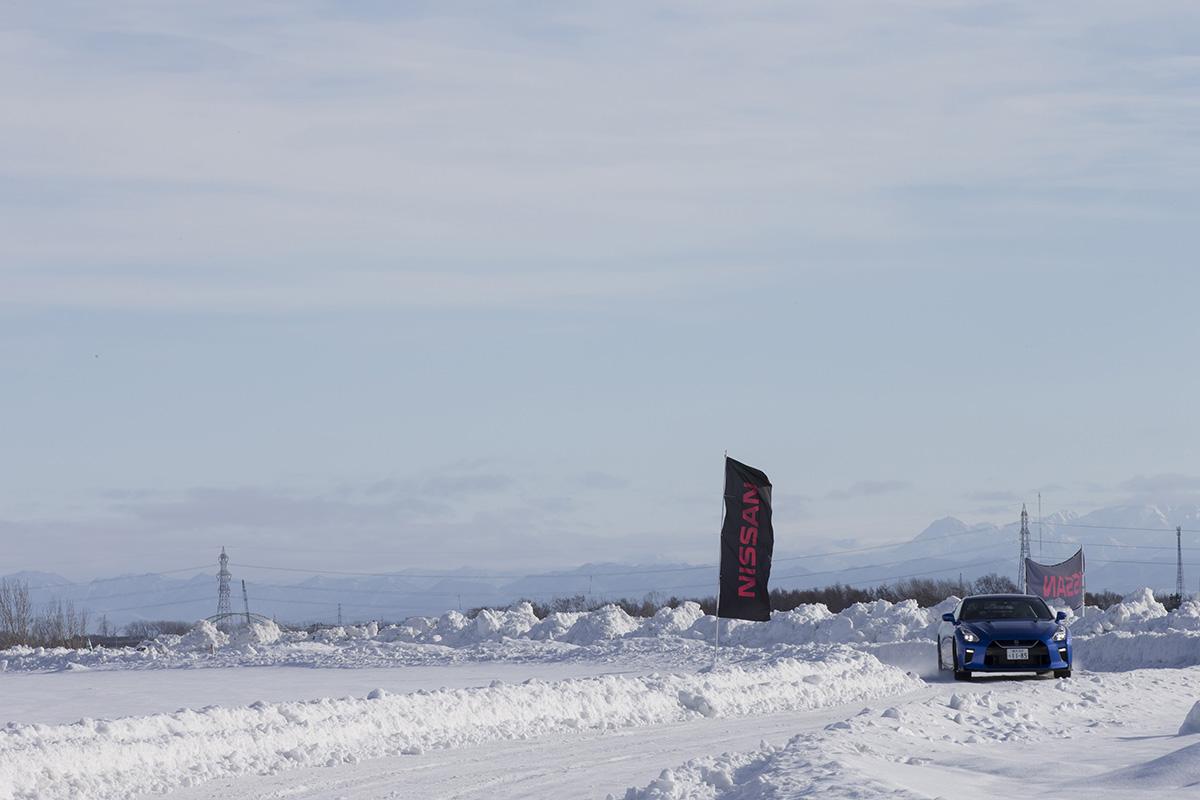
(124, 757)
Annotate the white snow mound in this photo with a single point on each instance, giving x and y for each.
(127, 757)
(203, 637)
(1191, 723)
(1138, 632)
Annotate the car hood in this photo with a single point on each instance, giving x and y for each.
(1014, 628)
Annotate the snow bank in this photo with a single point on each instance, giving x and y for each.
(126, 757)
(879, 621)
(1135, 612)
(928, 747)
(1170, 775)
(1120, 651)
(1191, 723)
(671, 621)
(1136, 632)
(554, 626)
(203, 637)
(256, 633)
(869, 623)
(610, 622)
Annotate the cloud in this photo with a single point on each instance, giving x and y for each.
(1005, 509)
(215, 508)
(155, 52)
(377, 503)
(793, 504)
(1164, 487)
(868, 489)
(992, 496)
(467, 484)
(477, 517)
(594, 479)
(380, 287)
(344, 171)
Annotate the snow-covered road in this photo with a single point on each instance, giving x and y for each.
(587, 705)
(117, 758)
(1105, 735)
(62, 697)
(994, 736)
(587, 765)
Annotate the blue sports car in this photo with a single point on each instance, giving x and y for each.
(1004, 633)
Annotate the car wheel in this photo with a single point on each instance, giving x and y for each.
(1062, 673)
(959, 674)
(941, 661)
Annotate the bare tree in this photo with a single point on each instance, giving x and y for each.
(50, 627)
(994, 584)
(150, 628)
(16, 612)
(77, 622)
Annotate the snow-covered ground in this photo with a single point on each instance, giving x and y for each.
(1109, 736)
(609, 700)
(1135, 633)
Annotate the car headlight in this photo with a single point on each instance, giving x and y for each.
(969, 635)
(1060, 635)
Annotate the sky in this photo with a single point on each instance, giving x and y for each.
(383, 286)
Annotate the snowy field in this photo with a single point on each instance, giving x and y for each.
(505, 705)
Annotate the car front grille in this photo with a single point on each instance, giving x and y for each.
(997, 655)
(1016, 642)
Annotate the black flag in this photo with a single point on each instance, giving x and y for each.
(747, 540)
(1063, 581)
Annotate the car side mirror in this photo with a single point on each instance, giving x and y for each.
(1060, 616)
(948, 617)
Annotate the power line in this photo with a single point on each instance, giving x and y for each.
(598, 573)
(1151, 563)
(621, 573)
(706, 585)
(684, 586)
(581, 576)
(331, 603)
(1118, 527)
(342, 590)
(119, 578)
(204, 599)
(1123, 546)
(661, 570)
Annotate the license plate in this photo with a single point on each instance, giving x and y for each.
(1018, 654)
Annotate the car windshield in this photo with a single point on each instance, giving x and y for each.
(976, 609)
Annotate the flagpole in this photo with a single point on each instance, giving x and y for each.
(720, 553)
(1083, 580)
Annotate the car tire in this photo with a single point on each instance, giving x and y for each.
(959, 674)
(941, 662)
(1062, 673)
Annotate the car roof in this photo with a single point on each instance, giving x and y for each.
(1004, 596)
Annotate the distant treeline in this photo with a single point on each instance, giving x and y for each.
(838, 597)
(56, 624)
(62, 624)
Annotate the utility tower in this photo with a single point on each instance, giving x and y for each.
(1179, 561)
(223, 577)
(1024, 549)
(246, 602)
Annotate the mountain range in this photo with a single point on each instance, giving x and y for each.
(1126, 547)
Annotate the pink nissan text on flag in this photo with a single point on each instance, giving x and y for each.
(747, 541)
